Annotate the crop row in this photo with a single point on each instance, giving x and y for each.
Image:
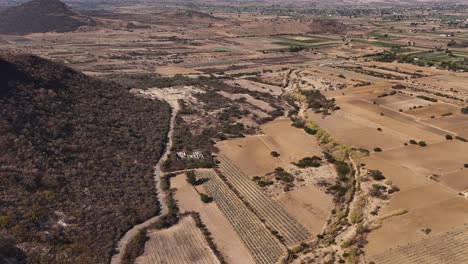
(264, 206)
(264, 247)
(450, 247)
(180, 244)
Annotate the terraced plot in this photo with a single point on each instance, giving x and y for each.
(182, 243)
(266, 208)
(264, 247)
(448, 247)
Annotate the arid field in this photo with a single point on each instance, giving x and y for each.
(234, 132)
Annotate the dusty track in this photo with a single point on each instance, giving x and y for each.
(123, 242)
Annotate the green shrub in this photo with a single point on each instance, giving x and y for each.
(309, 162)
(376, 175)
(205, 198)
(191, 178)
(263, 183)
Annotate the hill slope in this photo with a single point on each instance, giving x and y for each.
(39, 16)
(75, 163)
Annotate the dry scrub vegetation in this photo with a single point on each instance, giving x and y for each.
(76, 161)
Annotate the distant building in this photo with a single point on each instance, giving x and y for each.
(195, 155)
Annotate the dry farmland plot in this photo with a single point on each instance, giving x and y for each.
(358, 132)
(401, 176)
(456, 180)
(265, 248)
(435, 109)
(401, 101)
(429, 206)
(457, 124)
(310, 206)
(265, 207)
(449, 247)
(391, 119)
(253, 153)
(224, 236)
(182, 243)
(440, 158)
(292, 143)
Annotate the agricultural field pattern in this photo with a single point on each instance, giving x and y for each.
(233, 132)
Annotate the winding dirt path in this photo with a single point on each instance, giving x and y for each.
(123, 242)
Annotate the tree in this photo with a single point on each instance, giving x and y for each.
(205, 198)
(275, 154)
(377, 149)
(376, 175)
(449, 137)
(191, 178)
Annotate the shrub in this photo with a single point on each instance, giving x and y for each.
(376, 175)
(466, 165)
(275, 154)
(414, 142)
(342, 169)
(135, 247)
(393, 189)
(448, 137)
(377, 149)
(165, 183)
(279, 169)
(329, 157)
(310, 130)
(422, 143)
(191, 178)
(309, 162)
(205, 198)
(263, 183)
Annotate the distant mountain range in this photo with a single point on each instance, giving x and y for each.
(39, 16)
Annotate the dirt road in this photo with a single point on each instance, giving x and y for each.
(122, 244)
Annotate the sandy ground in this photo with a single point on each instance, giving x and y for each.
(258, 103)
(172, 70)
(182, 243)
(309, 206)
(224, 236)
(255, 86)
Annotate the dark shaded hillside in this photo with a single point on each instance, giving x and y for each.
(76, 161)
(39, 16)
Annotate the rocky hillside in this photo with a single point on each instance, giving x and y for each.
(39, 16)
(76, 162)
